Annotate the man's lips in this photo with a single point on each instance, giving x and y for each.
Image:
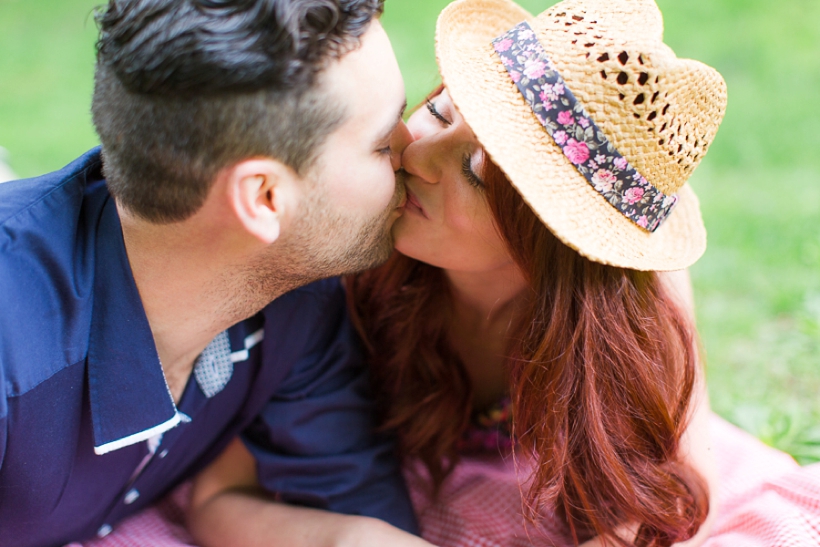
(413, 204)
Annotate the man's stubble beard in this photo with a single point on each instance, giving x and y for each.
(325, 243)
(318, 245)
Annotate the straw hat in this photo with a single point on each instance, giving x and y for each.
(658, 112)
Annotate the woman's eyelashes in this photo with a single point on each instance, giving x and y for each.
(436, 114)
(469, 174)
(466, 161)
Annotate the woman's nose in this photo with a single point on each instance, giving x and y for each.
(400, 140)
(420, 159)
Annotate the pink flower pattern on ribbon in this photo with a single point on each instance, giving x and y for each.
(582, 141)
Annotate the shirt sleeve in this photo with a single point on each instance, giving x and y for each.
(314, 441)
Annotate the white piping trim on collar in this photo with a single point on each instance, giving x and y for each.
(139, 437)
(239, 356)
(250, 341)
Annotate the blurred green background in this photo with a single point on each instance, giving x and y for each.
(757, 287)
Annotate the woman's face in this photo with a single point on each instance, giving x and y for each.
(447, 222)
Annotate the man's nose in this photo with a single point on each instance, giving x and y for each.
(400, 140)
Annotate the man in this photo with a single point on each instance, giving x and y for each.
(248, 148)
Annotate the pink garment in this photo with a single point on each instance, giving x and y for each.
(162, 525)
(765, 499)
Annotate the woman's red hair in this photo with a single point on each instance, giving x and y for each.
(603, 366)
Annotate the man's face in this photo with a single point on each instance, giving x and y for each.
(352, 197)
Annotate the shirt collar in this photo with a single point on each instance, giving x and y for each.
(130, 399)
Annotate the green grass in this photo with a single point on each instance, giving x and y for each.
(758, 286)
(758, 293)
(46, 69)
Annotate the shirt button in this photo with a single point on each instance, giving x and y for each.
(104, 530)
(131, 496)
(163, 453)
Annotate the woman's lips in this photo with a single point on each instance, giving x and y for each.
(413, 204)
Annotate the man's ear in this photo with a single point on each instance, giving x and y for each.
(262, 194)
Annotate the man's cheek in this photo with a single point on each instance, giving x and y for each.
(347, 186)
(374, 188)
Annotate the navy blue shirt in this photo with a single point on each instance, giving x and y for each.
(89, 433)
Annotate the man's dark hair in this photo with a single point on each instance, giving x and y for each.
(184, 88)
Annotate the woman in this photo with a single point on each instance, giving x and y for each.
(599, 362)
(528, 224)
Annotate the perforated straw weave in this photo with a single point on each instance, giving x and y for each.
(660, 112)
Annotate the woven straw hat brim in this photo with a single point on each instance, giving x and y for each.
(504, 124)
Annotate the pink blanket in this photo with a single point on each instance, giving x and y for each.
(765, 499)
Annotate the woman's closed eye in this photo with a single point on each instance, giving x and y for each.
(436, 114)
(469, 174)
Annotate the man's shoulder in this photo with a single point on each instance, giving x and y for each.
(46, 271)
(25, 196)
(308, 317)
(319, 293)
(320, 302)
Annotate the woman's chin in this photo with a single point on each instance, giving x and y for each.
(405, 247)
(409, 241)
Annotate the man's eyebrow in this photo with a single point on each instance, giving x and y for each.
(386, 134)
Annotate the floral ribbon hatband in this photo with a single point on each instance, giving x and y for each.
(582, 142)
